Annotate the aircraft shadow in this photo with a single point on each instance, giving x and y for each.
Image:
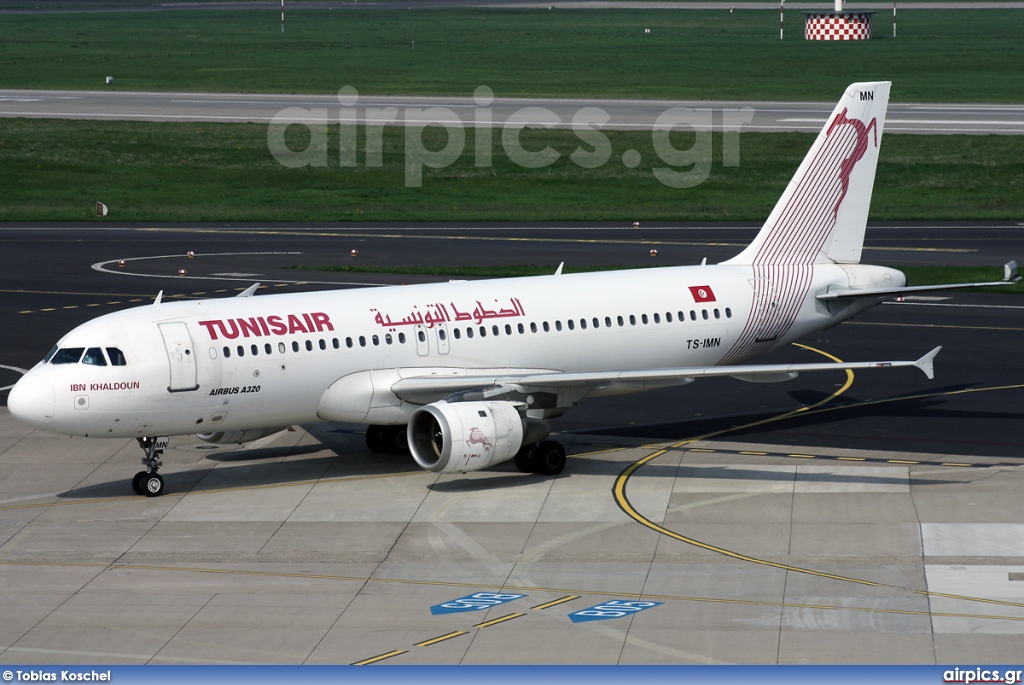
(855, 415)
(262, 473)
(257, 468)
(263, 453)
(269, 466)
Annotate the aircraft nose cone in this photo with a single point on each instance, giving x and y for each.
(31, 401)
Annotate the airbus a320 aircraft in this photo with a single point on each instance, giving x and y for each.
(468, 373)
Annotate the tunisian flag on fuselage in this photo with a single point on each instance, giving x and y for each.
(702, 293)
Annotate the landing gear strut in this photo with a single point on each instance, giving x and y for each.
(149, 482)
(382, 439)
(546, 458)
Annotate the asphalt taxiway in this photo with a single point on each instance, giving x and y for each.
(871, 518)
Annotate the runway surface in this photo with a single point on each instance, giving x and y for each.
(58, 6)
(817, 521)
(920, 118)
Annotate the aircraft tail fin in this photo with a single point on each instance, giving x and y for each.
(821, 216)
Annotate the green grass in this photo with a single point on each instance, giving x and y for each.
(57, 170)
(940, 55)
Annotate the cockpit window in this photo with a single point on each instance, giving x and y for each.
(116, 357)
(49, 355)
(94, 357)
(68, 355)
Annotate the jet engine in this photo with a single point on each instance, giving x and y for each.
(238, 437)
(456, 437)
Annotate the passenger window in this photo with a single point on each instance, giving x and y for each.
(69, 355)
(469, 332)
(281, 348)
(508, 329)
(728, 313)
(116, 357)
(376, 340)
(643, 317)
(547, 328)
(657, 318)
(668, 317)
(348, 342)
(483, 331)
(718, 314)
(94, 357)
(295, 345)
(213, 353)
(227, 352)
(419, 335)
(362, 341)
(583, 324)
(457, 333)
(558, 325)
(607, 322)
(704, 313)
(389, 340)
(255, 350)
(495, 331)
(693, 315)
(323, 344)
(520, 328)
(335, 343)
(619, 320)
(632, 320)
(309, 346)
(268, 349)
(682, 317)
(240, 350)
(571, 324)
(401, 338)
(533, 327)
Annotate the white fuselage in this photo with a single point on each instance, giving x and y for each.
(268, 360)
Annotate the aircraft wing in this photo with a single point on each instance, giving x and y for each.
(426, 389)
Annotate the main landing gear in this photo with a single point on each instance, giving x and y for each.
(545, 458)
(384, 439)
(149, 482)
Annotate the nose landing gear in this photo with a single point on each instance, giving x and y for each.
(149, 482)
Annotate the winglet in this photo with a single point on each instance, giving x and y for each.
(926, 363)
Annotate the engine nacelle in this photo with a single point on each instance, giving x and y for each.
(238, 437)
(455, 437)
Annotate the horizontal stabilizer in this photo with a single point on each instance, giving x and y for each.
(1010, 277)
(852, 293)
